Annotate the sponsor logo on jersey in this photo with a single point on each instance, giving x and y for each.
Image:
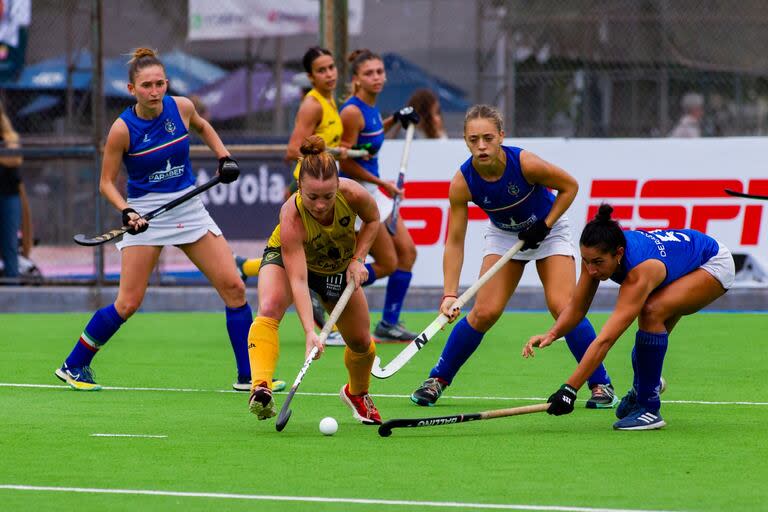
(170, 171)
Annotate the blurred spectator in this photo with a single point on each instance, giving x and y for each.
(10, 200)
(689, 124)
(427, 105)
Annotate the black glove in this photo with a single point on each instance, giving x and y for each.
(127, 220)
(562, 401)
(406, 116)
(534, 234)
(228, 169)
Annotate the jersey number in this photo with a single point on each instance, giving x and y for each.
(670, 236)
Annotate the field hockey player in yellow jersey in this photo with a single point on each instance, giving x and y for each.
(317, 115)
(315, 247)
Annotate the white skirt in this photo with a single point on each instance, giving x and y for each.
(186, 223)
(558, 241)
(383, 203)
(721, 266)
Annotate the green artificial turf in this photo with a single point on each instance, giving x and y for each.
(709, 457)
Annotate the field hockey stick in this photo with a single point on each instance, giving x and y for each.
(385, 429)
(392, 222)
(351, 153)
(438, 323)
(285, 411)
(111, 235)
(747, 196)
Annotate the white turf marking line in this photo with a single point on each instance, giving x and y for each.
(318, 499)
(505, 398)
(131, 435)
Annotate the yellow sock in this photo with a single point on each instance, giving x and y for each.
(263, 349)
(251, 267)
(359, 366)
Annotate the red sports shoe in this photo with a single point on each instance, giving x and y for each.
(362, 407)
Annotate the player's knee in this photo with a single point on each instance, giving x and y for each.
(272, 308)
(407, 258)
(127, 306)
(652, 314)
(386, 265)
(482, 318)
(359, 344)
(233, 292)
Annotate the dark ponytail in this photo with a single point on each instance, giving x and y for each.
(603, 232)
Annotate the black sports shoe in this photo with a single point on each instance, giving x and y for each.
(429, 392)
(603, 397)
(385, 332)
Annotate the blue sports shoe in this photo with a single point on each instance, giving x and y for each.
(640, 419)
(629, 402)
(79, 378)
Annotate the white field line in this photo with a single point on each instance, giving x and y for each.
(316, 499)
(335, 394)
(153, 436)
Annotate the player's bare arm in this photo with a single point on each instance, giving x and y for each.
(365, 206)
(203, 128)
(539, 171)
(633, 293)
(292, 235)
(353, 122)
(308, 118)
(573, 313)
(453, 257)
(116, 145)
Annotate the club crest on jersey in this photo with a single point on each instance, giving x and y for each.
(513, 189)
(344, 221)
(170, 127)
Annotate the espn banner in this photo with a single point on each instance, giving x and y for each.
(651, 183)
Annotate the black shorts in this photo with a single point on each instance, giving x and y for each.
(328, 286)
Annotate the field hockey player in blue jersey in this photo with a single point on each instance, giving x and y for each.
(512, 186)
(663, 275)
(151, 138)
(364, 127)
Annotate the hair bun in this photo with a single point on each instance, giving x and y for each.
(138, 53)
(604, 213)
(357, 53)
(312, 145)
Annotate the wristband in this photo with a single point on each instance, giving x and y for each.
(448, 295)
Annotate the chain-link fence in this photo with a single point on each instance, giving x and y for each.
(586, 68)
(573, 68)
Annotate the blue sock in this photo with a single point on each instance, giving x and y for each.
(634, 369)
(461, 344)
(650, 349)
(578, 341)
(397, 286)
(239, 322)
(104, 323)
(371, 275)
